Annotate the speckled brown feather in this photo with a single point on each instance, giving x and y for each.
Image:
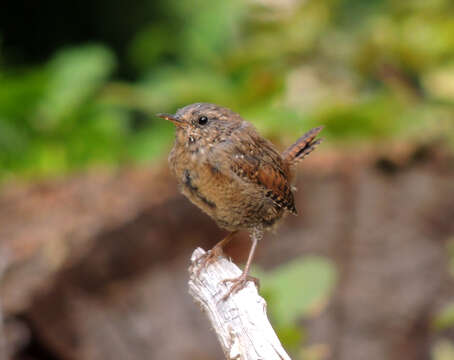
(229, 171)
(255, 160)
(233, 174)
(302, 147)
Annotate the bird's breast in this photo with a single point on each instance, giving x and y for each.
(231, 202)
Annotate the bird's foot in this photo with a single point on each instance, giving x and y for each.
(239, 283)
(208, 258)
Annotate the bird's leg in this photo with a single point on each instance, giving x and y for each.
(214, 253)
(241, 281)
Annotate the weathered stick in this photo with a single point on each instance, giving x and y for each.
(240, 321)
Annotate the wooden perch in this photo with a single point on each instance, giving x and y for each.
(240, 321)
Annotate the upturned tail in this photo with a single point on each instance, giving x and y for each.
(302, 147)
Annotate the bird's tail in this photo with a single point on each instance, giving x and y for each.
(302, 147)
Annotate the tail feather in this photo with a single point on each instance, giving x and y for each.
(302, 147)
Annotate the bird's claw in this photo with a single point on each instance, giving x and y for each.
(239, 283)
(207, 259)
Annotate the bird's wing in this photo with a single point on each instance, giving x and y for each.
(255, 160)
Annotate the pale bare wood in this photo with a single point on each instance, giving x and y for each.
(240, 322)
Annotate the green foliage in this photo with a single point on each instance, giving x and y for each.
(298, 289)
(445, 318)
(366, 70)
(50, 117)
(74, 76)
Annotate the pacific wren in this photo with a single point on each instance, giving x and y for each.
(233, 174)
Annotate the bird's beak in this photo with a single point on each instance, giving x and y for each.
(173, 118)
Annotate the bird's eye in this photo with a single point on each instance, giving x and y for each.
(203, 120)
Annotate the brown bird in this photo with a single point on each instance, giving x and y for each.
(233, 174)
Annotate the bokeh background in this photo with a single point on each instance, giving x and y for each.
(95, 239)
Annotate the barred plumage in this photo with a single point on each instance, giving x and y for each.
(302, 147)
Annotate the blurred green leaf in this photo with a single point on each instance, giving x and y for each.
(209, 29)
(19, 95)
(291, 336)
(74, 75)
(445, 318)
(173, 87)
(151, 143)
(375, 117)
(298, 288)
(153, 44)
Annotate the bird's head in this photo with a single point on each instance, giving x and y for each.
(203, 122)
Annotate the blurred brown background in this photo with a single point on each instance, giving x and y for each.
(95, 240)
